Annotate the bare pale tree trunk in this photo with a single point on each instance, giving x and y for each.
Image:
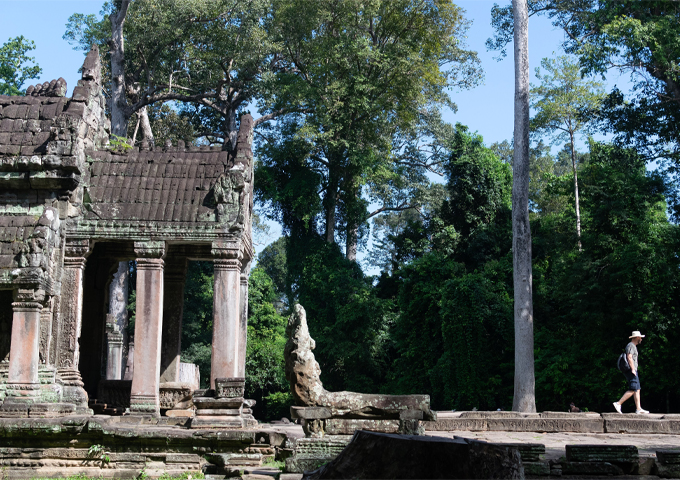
(525, 384)
(119, 115)
(134, 134)
(147, 134)
(578, 207)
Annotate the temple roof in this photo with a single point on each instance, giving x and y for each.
(155, 186)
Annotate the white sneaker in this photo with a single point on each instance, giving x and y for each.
(641, 411)
(617, 407)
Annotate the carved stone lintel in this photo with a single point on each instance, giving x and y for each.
(226, 250)
(77, 247)
(151, 249)
(26, 297)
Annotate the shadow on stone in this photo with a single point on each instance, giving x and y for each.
(372, 455)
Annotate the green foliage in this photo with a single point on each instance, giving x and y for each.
(265, 376)
(346, 318)
(99, 453)
(183, 476)
(15, 66)
(209, 55)
(453, 331)
(640, 38)
(624, 280)
(120, 144)
(478, 184)
(197, 318)
(362, 84)
(272, 260)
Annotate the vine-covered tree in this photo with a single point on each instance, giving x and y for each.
(210, 56)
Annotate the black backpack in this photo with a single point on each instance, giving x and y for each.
(622, 363)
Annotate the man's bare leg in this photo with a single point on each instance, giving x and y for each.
(627, 395)
(637, 400)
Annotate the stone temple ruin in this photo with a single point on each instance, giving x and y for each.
(71, 210)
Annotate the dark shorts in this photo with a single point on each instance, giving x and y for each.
(633, 381)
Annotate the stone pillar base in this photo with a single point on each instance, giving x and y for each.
(27, 393)
(144, 405)
(223, 407)
(13, 409)
(73, 391)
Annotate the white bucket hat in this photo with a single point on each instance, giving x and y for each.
(636, 333)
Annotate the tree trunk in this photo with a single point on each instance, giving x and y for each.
(119, 116)
(351, 243)
(352, 234)
(147, 134)
(230, 130)
(331, 204)
(578, 208)
(525, 383)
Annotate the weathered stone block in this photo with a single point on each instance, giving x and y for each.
(340, 426)
(602, 453)
(530, 452)
(310, 412)
(536, 469)
(668, 457)
(590, 468)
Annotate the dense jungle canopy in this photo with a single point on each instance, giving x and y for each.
(358, 166)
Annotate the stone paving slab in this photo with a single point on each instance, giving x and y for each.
(589, 422)
(555, 443)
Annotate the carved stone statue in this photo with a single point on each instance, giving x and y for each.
(304, 374)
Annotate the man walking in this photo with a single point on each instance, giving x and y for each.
(632, 375)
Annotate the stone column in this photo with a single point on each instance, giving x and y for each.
(70, 319)
(173, 305)
(114, 349)
(148, 328)
(23, 385)
(226, 314)
(243, 327)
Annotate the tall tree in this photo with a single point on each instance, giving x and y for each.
(362, 73)
(639, 38)
(211, 55)
(564, 104)
(15, 65)
(525, 383)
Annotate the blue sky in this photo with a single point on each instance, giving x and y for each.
(487, 109)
